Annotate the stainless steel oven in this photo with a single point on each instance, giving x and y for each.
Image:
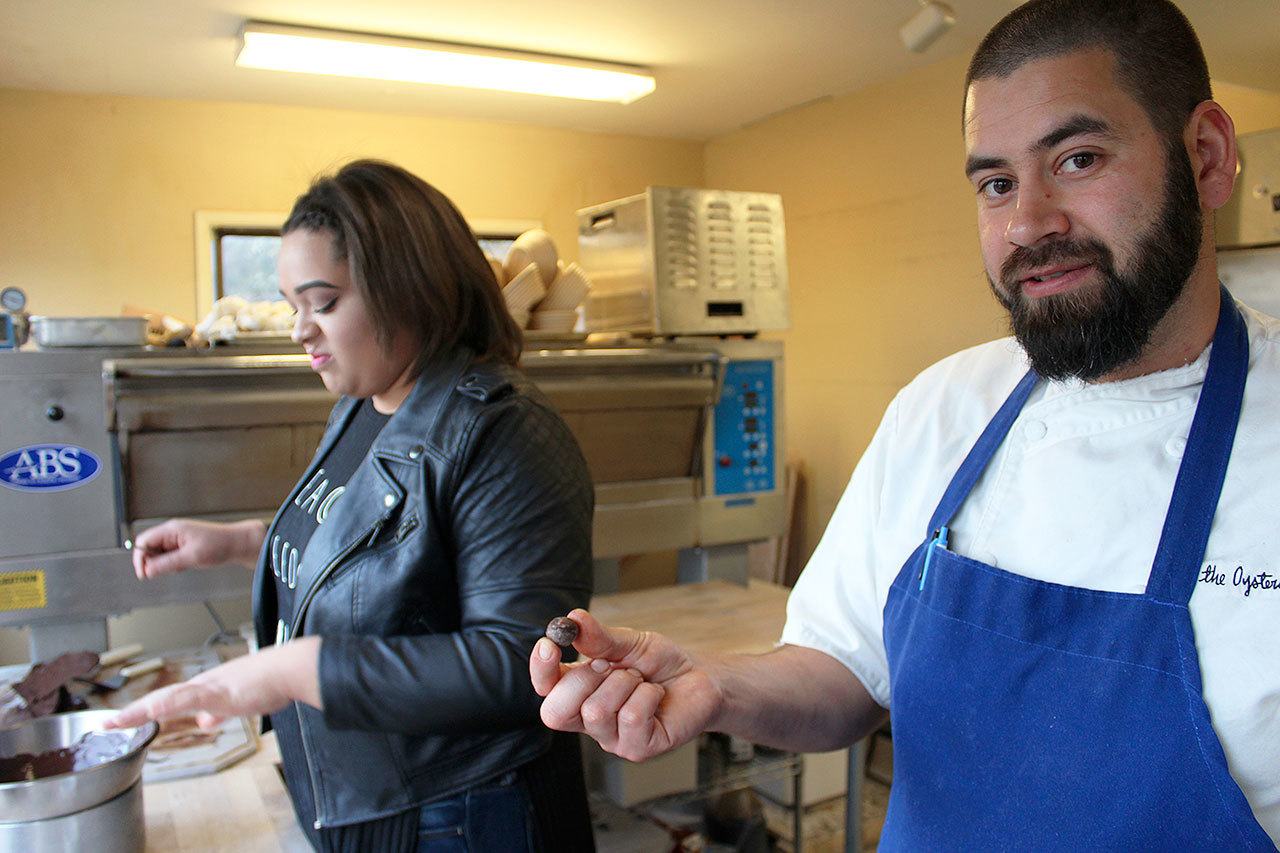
(683, 439)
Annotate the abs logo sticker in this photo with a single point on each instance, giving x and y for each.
(48, 468)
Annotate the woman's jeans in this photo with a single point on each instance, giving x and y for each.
(493, 817)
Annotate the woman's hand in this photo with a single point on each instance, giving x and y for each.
(637, 693)
(260, 683)
(180, 544)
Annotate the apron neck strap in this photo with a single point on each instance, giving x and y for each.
(976, 462)
(1204, 462)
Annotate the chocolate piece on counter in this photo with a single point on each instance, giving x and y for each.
(92, 749)
(47, 678)
(45, 705)
(181, 733)
(562, 631)
(183, 740)
(68, 702)
(170, 673)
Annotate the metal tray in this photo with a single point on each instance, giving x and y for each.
(89, 331)
(241, 338)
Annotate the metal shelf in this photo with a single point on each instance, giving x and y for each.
(734, 776)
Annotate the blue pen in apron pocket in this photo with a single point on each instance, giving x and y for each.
(939, 540)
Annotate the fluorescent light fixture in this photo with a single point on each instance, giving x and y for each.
(927, 25)
(280, 47)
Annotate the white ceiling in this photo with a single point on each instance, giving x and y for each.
(720, 64)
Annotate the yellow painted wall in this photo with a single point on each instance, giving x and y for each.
(98, 193)
(1252, 109)
(882, 246)
(885, 272)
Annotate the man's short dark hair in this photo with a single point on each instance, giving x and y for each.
(1158, 57)
(413, 259)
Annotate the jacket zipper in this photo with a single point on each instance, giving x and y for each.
(298, 619)
(406, 528)
(939, 540)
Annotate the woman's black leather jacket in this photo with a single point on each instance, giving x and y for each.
(464, 530)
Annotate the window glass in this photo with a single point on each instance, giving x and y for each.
(497, 246)
(245, 265)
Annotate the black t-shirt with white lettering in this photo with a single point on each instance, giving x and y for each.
(319, 500)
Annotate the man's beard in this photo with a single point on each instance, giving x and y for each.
(1090, 332)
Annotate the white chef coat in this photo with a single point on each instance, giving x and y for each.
(1076, 495)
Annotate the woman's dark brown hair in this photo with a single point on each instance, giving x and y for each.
(413, 259)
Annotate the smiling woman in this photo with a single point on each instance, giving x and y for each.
(445, 518)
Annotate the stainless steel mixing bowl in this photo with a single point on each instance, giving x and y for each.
(67, 793)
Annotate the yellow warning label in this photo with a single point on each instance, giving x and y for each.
(22, 590)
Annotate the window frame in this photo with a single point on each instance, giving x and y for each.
(210, 225)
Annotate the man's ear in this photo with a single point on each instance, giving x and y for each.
(1210, 137)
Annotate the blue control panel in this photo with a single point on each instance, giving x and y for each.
(744, 452)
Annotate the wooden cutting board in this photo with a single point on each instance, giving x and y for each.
(182, 749)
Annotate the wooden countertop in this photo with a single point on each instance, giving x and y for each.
(245, 807)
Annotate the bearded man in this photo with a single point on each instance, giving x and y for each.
(1037, 564)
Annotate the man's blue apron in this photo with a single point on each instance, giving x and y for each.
(1035, 716)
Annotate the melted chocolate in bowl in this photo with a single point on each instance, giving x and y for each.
(92, 749)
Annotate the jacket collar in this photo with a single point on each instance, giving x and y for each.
(417, 415)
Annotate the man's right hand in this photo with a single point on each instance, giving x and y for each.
(180, 544)
(637, 693)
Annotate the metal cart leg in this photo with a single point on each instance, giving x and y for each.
(797, 800)
(853, 800)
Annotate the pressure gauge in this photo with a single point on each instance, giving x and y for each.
(13, 299)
